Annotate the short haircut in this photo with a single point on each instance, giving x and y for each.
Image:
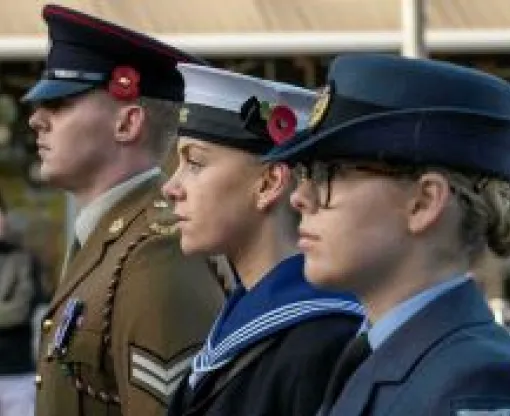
(162, 123)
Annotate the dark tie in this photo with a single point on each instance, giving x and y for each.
(356, 351)
(75, 247)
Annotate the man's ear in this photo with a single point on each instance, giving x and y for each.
(431, 195)
(129, 123)
(273, 185)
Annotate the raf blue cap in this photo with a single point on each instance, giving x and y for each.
(412, 111)
(241, 111)
(87, 52)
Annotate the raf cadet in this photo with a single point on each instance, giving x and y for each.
(130, 308)
(404, 181)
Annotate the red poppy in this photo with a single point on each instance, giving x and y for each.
(124, 83)
(282, 124)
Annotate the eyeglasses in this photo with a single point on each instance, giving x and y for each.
(320, 175)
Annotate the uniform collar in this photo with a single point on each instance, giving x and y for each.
(461, 307)
(400, 314)
(90, 215)
(281, 299)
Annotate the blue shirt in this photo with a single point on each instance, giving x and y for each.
(404, 311)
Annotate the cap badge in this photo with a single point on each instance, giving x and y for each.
(163, 229)
(124, 83)
(183, 115)
(320, 107)
(160, 203)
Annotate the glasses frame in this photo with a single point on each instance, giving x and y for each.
(320, 174)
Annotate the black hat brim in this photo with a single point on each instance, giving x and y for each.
(50, 89)
(469, 141)
(308, 144)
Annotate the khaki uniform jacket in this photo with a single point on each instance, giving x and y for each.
(147, 309)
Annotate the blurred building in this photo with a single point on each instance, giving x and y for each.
(288, 40)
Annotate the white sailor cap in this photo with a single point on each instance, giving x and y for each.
(241, 111)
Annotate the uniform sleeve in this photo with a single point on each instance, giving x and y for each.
(163, 310)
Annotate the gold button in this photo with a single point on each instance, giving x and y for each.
(47, 324)
(116, 226)
(38, 380)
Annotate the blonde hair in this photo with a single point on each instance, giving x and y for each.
(485, 213)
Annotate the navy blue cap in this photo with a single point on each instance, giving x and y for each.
(87, 52)
(412, 111)
(241, 111)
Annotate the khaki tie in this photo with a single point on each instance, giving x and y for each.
(71, 254)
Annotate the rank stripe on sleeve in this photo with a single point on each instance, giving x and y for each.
(155, 376)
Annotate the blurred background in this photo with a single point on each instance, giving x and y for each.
(286, 40)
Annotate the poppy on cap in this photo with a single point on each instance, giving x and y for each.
(241, 111)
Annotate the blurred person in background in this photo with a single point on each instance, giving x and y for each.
(130, 309)
(20, 295)
(272, 348)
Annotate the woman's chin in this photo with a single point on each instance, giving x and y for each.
(318, 276)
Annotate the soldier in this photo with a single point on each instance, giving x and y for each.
(130, 309)
(405, 174)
